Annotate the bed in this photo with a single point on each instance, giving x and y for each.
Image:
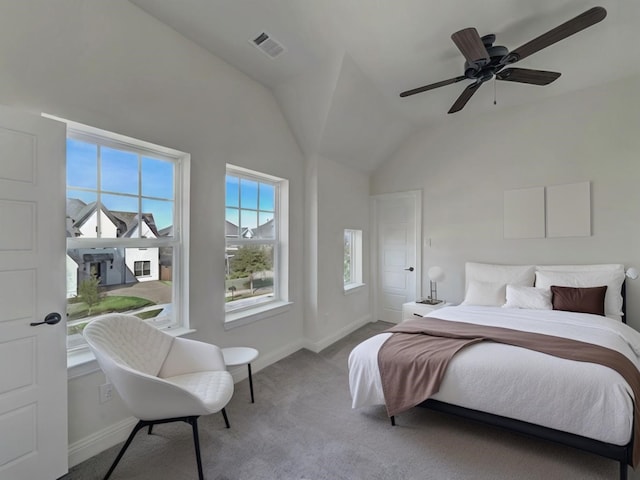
(525, 390)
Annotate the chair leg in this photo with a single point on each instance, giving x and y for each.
(150, 423)
(226, 420)
(138, 426)
(250, 382)
(150, 429)
(196, 441)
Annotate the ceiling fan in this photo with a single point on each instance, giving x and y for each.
(485, 61)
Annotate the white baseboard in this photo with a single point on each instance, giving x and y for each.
(263, 361)
(99, 441)
(320, 345)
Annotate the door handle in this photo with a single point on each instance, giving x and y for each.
(410, 269)
(51, 319)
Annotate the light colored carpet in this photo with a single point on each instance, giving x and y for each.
(302, 427)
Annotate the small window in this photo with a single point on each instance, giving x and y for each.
(352, 271)
(142, 268)
(256, 233)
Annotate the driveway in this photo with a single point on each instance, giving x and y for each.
(156, 291)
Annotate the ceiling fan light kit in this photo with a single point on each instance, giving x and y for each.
(485, 61)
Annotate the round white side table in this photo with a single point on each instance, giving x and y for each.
(234, 356)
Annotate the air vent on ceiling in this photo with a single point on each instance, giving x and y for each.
(268, 45)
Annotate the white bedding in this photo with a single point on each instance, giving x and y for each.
(581, 398)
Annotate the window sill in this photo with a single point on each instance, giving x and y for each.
(353, 288)
(81, 361)
(245, 317)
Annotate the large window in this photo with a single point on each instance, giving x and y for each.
(352, 265)
(255, 231)
(126, 226)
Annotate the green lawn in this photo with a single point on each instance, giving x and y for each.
(108, 304)
(111, 304)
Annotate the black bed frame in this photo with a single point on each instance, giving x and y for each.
(622, 454)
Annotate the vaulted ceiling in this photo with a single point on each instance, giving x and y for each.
(346, 61)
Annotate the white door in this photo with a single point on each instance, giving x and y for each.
(398, 238)
(33, 372)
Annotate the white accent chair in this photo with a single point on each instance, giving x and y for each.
(160, 378)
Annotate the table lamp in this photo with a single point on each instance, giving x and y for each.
(436, 274)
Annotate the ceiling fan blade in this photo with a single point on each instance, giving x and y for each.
(526, 75)
(582, 21)
(432, 86)
(470, 44)
(464, 97)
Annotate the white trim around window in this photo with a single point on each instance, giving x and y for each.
(352, 262)
(256, 231)
(106, 246)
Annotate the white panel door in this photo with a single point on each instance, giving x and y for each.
(398, 259)
(33, 376)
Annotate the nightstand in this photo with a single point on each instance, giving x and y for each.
(415, 310)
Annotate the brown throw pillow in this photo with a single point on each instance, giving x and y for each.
(581, 300)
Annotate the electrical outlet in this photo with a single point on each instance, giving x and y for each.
(106, 392)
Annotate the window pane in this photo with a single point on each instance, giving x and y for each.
(347, 256)
(119, 172)
(120, 203)
(80, 222)
(157, 178)
(249, 276)
(266, 226)
(267, 197)
(248, 194)
(82, 164)
(82, 195)
(248, 223)
(158, 213)
(232, 191)
(233, 222)
(103, 280)
(121, 217)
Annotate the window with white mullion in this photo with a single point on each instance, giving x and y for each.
(253, 236)
(127, 204)
(352, 262)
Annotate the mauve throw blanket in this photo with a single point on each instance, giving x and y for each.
(414, 359)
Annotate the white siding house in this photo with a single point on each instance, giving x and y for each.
(113, 266)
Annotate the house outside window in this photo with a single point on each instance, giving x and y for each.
(256, 232)
(352, 263)
(126, 230)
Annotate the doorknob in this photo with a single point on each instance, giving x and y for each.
(51, 319)
(410, 269)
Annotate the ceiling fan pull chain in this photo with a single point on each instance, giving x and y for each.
(494, 91)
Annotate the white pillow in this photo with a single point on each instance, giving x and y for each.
(611, 275)
(528, 297)
(502, 274)
(486, 294)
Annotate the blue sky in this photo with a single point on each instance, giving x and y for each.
(250, 200)
(119, 176)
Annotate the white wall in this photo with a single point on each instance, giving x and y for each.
(342, 202)
(465, 166)
(109, 65)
